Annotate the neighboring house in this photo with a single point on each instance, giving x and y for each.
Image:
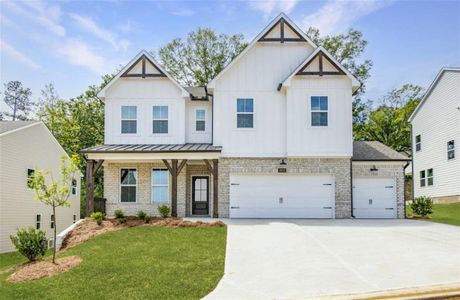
(436, 139)
(24, 147)
(269, 137)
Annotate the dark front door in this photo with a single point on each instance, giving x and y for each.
(200, 195)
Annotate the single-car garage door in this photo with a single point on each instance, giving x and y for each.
(374, 198)
(281, 196)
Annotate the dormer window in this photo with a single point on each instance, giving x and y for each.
(129, 119)
(160, 119)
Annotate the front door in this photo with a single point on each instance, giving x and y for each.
(200, 195)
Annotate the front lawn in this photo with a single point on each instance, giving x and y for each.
(443, 213)
(143, 262)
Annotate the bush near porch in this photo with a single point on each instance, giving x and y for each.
(139, 262)
(442, 213)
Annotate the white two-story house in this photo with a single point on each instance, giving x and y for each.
(436, 139)
(269, 137)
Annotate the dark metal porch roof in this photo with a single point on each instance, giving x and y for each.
(152, 148)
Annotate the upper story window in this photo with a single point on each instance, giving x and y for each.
(451, 149)
(128, 185)
(160, 186)
(422, 178)
(418, 142)
(160, 119)
(244, 113)
(30, 175)
(200, 120)
(129, 119)
(52, 221)
(430, 176)
(319, 110)
(74, 186)
(38, 221)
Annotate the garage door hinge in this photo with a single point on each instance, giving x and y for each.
(389, 208)
(389, 187)
(327, 207)
(327, 183)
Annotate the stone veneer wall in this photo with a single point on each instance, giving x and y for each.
(338, 167)
(385, 170)
(144, 189)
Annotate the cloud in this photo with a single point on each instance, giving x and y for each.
(41, 14)
(185, 12)
(337, 15)
(126, 27)
(15, 54)
(269, 7)
(78, 53)
(88, 25)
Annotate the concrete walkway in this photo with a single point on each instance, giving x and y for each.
(292, 259)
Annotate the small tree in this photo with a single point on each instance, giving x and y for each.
(55, 192)
(18, 99)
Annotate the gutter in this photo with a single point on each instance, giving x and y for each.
(413, 174)
(351, 187)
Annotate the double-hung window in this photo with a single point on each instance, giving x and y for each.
(451, 149)
(30, 176)
(74, 219)
(74, 186)
(422, 178)
(245, 113)
(129, 119)
(38, 221)
(319, 110)
(160, 186)
(418, 142)
(200, 120)
(128, 185)
(52, 221)
(160, 119)
(430, 176)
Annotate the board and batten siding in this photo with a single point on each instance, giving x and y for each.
(29, 148)
(191, 135)
(144, 93)
(437, 122)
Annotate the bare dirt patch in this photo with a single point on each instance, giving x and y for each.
(42, 269)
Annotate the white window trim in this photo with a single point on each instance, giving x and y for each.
(122, 119)
(205, 120)
(41, 221)
(120, 185)
(52, 221)
(429, 177)
(451, 150)
(419, 143)
(319, 111)
(27, 178)
(245, 113)
(159, 185)
(161, 119)
(74, 218)
(74, 188)
(424, 178)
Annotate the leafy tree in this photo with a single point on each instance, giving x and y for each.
(18, 99)
(388, 122)
(201, 56)
(347, 49)
(55, 192)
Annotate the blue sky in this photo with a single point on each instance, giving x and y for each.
(73, 43)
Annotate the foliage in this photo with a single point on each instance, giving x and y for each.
(142, 215)
(201, 56)
(118, 213)
(30, 242)
(388, 122)
(18, 99)
(98, 217)
(55, 192)
(122, 220)
(164, 210)
(422, 206)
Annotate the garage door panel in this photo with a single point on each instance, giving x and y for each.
(374, 198)
(281, 196)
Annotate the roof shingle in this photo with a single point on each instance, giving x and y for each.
(375, 151)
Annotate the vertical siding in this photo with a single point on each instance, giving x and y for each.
(29, 148)
(191, 135)
(438, 121)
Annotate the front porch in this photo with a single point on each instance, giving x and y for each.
(137, 177)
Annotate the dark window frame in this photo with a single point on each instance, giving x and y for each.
(38, 221)
(422, 178)
(74, 186)
(30, 174)
(52, 221)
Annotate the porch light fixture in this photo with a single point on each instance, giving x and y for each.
(283, 162)
(374, 169)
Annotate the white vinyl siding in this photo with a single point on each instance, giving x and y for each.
(128, 119)
(160, 120)
(160, 186)
(128, 185)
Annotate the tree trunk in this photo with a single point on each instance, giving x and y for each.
(54, 239)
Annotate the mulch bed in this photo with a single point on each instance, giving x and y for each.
(41, 269)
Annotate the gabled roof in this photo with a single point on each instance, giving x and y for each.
(431, 88)
(320, 51)
(133, 62)
(375, 151)
(10, 126)
(268, 28)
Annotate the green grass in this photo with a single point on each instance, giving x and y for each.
(135, 263)
(11, 259)
(443, 213)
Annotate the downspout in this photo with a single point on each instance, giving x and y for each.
(412, 167)
(212, 116)
(351, 186)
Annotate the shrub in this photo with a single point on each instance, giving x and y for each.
(164, 210)
(98, 217)
(122, 220)
(143, 216)
(119, 214)
(422, 206)
(30, 242)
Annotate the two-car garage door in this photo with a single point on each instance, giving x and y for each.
(281, 196)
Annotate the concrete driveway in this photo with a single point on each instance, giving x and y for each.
(285, 259)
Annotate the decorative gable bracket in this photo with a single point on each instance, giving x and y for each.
(282, 32)
(309, 69)
(147, 69)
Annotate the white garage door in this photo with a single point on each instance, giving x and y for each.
(281, 196)
(374, 198)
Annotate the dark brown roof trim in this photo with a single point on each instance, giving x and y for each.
(282, 39)
(143, 58)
